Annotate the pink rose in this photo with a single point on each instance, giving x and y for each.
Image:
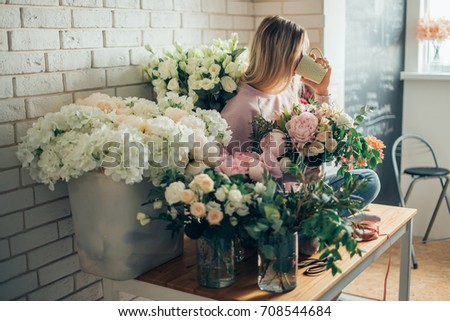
(274, 143)
(302, 128)
(271, 164)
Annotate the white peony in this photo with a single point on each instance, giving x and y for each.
(343, 120)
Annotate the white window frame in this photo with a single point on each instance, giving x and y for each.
(416, 53)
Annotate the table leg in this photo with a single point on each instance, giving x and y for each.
(405, 263)
(109, 293)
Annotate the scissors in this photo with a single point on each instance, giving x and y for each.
(314, 266)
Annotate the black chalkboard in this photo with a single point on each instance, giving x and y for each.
(374, 51)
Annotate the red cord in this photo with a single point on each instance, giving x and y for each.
(370, 231)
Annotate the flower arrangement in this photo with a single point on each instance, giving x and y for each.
(309, 135)
(128, 139)
(434, 30)
(209, 74)
(209, 204)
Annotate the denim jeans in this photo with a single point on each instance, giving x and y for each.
(369, 193)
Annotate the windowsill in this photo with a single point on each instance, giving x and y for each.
(408, 75)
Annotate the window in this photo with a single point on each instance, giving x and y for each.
(436, 9)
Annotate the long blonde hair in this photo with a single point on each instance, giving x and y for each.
(274, 53)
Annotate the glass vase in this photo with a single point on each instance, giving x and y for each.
(215, 262)
(277, 262)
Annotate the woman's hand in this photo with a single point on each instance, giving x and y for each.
(322, 88)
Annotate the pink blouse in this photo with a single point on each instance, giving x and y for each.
(249, 102)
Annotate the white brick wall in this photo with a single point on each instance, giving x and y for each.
(68, 60)
(81, 39)
(38, 84)
(36, 17)
(131, 19)
(39, 106)
(123, 38)
(34, 39)
(17, 63)
(92, 18)
(110, 57)
(165, 20)
(55, 51)
(83, 79)
(3, 41)
(6, 89)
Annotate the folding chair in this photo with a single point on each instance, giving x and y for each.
(420, 146)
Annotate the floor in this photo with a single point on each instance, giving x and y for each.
(430, 282)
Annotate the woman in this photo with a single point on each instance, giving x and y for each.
(269, 84)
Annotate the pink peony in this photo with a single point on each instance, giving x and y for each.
(274, 143)
(302, 128)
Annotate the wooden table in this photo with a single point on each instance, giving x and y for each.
(177, 279)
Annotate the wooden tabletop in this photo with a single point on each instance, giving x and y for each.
(181, 273)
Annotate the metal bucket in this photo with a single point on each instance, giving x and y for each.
(111, 242)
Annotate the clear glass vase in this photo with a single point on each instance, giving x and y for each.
(215, 262)
(277, 262)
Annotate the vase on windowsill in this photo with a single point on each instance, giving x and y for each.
(436, 62)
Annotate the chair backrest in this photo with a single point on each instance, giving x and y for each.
(420, 146)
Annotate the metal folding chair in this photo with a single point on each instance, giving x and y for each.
(420, 145)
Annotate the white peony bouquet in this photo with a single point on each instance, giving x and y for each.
(128, 139)
(209, 74)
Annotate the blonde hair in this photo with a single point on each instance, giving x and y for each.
(274, 53)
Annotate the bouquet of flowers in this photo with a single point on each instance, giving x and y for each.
(128, 139)
(209, 204)
(309, 135)
(209, 74)
(435, 31)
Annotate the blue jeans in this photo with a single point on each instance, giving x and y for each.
(369, 193)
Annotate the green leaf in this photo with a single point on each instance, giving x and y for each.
(236, 53)
(267, 251)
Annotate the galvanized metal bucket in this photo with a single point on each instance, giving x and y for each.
(110, 240)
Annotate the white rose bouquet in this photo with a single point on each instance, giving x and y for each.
(128, 139)
(209, 74)
(210, 204)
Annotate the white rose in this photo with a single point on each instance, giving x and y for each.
(221, 194)
(206, 84)
(343, 120)
(143, 218)
(230, 208)
(175, 113)
(214, 70)
(173, 192)
(214, 217)
(235, 196)
(212, 205)
(243, 211)
(198, 209)
(157, 205)
(228, 84)
(260, 188)
(231, 68)
(173, 85)
(203, 182)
